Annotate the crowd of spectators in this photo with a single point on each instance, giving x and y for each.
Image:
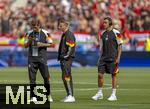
(85, 15)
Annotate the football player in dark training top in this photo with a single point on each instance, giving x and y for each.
(37, 41)
(111, 48)
(66, 53)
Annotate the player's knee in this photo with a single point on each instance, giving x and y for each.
(100, 76)
(66, 77)
(114, 75)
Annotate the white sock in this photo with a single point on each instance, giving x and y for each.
(100, 90)
(113, 91)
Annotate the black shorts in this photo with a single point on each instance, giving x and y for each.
(108, 67)
(66, 66)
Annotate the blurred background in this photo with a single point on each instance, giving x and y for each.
(130, 17)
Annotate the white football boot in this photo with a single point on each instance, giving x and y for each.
(112, 98)
(50, 99)
(69, 99)
(98, 96)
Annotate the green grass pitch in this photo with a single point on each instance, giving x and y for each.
(133, 91)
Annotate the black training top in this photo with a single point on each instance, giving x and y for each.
(67, 41)
(37, 53)
(109, 44)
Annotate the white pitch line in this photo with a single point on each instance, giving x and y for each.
(81, 83)
(23, 81)
(132, 89)
(126, 104)
(88, 89)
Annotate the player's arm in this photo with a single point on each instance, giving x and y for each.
(48, 43)
(100, 42)
(119, 53)
(96, 41)
(119, 41)
(70, 42)
(101, 45)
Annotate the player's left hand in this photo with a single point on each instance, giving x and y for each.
(39, 44)
(66, 57)
(32, 38)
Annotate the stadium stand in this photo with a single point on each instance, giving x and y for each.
(131, 17)
(83, 14)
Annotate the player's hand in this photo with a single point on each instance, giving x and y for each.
(117, 61)
(32, 38)
(39, 44)
(66, 57)
(30, 41)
